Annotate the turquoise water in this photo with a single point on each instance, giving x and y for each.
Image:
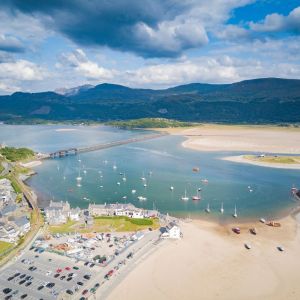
(164, 163)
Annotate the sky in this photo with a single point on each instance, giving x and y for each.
(54, 44)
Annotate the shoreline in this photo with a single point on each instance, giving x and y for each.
(215, 254)
(243, 160)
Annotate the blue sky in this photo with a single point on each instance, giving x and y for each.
(48, 45)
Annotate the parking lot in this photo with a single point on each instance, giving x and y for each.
(47, 265)
(56, 276)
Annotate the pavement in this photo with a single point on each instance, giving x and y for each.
(50, 262)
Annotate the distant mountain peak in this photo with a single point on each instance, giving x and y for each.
(73, 91)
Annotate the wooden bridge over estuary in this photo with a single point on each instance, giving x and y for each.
(75, 151)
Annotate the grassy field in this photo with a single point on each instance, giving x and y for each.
(106, 224)
(4, 246)
(16, 154)
(279, 159)
(150, 123)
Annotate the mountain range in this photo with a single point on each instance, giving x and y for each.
(265, 100)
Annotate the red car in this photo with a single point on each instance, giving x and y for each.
(58, 270)
(67, 268)
(84, 292)
(236, 230)
(110, 272)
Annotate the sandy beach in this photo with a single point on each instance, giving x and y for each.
(211, 262)
(242, 159)
(65, 129)
(31, 164)
(269, 139)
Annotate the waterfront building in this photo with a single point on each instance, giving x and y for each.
(60, 212)
(172, 231)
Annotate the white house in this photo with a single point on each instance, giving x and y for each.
(171, 231)
(174, 232)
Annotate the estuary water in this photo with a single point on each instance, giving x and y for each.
(255, 191)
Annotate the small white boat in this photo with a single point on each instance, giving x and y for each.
(141, 198)
(196, 197)
(280, 248)
(145, 184)
(222, 208)
(101, 176)
(84, 171)
(247, 246)
(207, 208)
(199, 189)
(143, 177)
(64, 177)
(250, 190)
(262, 220)
(78, 184)
(118, 183)
(100, 172)
(79, 178)
(185, 198)
(101, 186)
(115, 166)
(133, 191)
(105, 162)
(124, 178)
(124, 197)
(235, 212)
(79, 160)
(171, 188)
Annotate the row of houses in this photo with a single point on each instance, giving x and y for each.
(60, 212)
(13, 220)
(117, 209)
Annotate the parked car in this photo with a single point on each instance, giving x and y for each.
(84, 292)
(40, 287)
(50, 285)
(79, 283)
(69, 278)
(87, 277)
(62, 277)
(67, 268)
(69, 292)
(28, 283)
(56, 275)
(10, 278)
(22, 281)
(75, 268)
(7, 290)
(23, 296)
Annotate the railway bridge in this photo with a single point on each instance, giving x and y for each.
(74, 151)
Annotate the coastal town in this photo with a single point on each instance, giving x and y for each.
(87, 248)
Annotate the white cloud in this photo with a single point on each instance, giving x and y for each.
(220, 69)
(8, 88)
(171, 36)
(21, 70)
(10, 44)
(231, 32)
(277, 22)
(78, 61)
